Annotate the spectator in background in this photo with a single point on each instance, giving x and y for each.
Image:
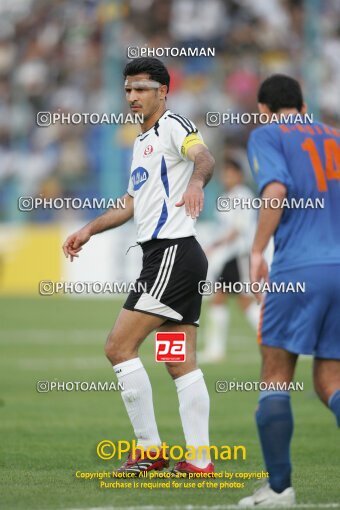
(57, 55)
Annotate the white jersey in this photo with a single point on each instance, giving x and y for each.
(160, 173)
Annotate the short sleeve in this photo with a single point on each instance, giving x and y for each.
(184, 134)
(266, 159)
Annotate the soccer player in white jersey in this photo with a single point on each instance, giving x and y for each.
(170, 167)
(234, 236)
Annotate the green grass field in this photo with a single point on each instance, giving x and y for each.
(47, 437)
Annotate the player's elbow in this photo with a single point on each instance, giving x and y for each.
(275, 190)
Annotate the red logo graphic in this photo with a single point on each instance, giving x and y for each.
(170, 347)
(148, 150)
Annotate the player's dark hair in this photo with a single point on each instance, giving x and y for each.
(230, 162)
(280, 91)
(152, 66)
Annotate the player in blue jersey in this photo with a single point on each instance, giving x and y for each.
(295, 161)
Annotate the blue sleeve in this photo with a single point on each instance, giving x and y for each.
(266, 159)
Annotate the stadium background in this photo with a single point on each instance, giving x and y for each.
(69, 56)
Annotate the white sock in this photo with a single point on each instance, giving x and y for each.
(137, 397)
(253, 315)
(194, 407)
(217, 334)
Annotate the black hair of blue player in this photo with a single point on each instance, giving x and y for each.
(148, 65)
(280, 91)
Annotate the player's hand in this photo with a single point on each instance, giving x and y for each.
(258, 272)
(193, 199)
(73, 244)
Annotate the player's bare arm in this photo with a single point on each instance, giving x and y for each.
(269, 219)
(112, 218)
(204, 163)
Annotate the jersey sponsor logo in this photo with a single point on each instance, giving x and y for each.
(139, 177)
(170, 346)
(147, 151)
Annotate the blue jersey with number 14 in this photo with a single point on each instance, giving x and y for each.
(306, 159)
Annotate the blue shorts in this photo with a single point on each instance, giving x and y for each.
(304, 322)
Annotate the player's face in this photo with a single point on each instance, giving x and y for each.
(144, 95)
(230, 177)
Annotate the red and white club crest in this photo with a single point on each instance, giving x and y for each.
(148, 150)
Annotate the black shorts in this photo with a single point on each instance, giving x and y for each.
(171, 272)
(235, 270)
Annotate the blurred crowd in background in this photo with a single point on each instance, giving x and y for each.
(56, 56)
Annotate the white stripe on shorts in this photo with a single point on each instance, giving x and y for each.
(164, 272)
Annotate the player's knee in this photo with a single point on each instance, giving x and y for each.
(110, 350)
(115, 350)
